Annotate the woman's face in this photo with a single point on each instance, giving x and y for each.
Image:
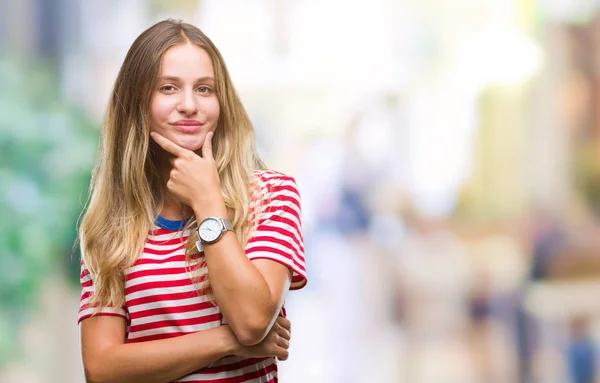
(184, 106)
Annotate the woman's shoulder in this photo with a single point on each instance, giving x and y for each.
(272, 177)
(268, 176)
(272, 181)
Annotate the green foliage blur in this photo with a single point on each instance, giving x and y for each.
(47, 150)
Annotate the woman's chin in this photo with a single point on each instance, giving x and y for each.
(191, 143)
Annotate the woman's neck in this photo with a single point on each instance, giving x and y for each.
(174, 210)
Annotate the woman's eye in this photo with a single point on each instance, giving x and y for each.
(167, 88)
(204, 89)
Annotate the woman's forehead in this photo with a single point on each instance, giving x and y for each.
(186, 62)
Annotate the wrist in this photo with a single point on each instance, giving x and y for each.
(209, 207)
(230, 344)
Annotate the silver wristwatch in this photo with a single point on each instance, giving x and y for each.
(211, 229)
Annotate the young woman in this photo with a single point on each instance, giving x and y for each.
(189, 245)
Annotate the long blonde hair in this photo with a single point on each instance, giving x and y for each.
(126, 191)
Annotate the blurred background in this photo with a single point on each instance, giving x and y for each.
(447, 153)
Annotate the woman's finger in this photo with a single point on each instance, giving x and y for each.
(207, 146)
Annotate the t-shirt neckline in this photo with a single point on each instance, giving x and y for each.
(170, 224)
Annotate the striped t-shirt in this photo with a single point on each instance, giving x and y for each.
(161, 301)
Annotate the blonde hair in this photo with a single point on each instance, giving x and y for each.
(126, 192)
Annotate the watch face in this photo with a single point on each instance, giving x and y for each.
(210, 229)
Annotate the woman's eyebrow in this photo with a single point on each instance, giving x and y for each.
(177, 79)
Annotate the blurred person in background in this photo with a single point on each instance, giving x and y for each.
(562, 258)
(547, 237)
(189, 243)
(581, 352)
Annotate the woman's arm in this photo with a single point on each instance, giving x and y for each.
(250, 284)
(106, 357)
(250, 294)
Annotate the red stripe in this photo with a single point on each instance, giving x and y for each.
(157, 285)
(251, 249)
(294, 224)
(154, 272)
(263, 228)
(299, 270)
(230, 367)
(241, 378)
(275, 176)
(168, 310)
(267, 249)
(101, 313)
(297, 278)
(174, 258)
(285, 197)
(157, 337)
(161, 231)
(152, 261)
(272, 240)
(278, 210)
(161, 298)
(176, 322)
(167, 242)
(287, 187)
(163, 252)
(249, 375)
(86, 294)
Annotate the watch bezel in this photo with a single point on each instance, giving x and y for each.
(203, 223)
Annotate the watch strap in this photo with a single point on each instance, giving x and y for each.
(227, 226)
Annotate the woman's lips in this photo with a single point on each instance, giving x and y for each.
(188, 126)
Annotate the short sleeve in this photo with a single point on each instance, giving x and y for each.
(278, 234)
(87, 291)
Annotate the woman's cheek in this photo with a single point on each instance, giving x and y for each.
(161, 110)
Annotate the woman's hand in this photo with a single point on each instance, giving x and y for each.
(275, 344)
(194, 180)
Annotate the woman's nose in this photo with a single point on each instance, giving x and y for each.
(187, 103)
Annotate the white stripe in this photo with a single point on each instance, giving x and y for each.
(157, 266)
(268, 216)
(175, 316)
(168, 236)
(160, 257)
(162, 290)
(271, 175)
(234, 373)
(105, 310)
(179, 276)
(272, 197)
(276, 245)
(281, 225)
(274, 256)
(168, 303)
(268, 220)
(272, 200)
(87, 278)
(163, 247)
